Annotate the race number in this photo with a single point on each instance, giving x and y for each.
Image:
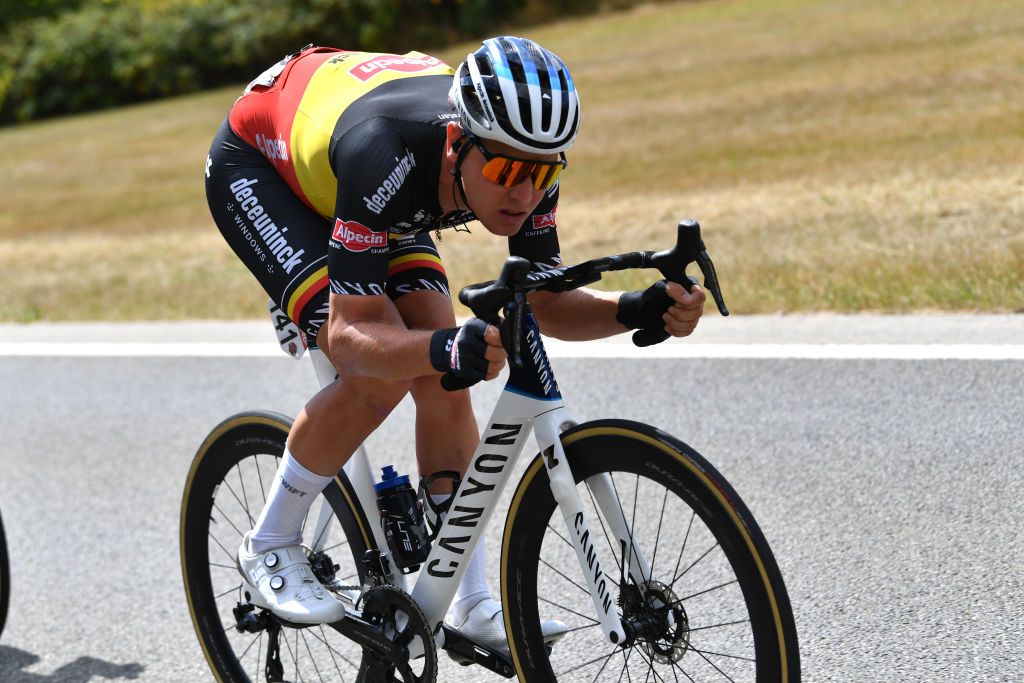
(289, 336)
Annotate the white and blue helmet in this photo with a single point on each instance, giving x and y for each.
(514, 91)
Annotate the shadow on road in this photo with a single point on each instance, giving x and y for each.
(13, 663)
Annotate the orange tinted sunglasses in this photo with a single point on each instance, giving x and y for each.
(510, 171)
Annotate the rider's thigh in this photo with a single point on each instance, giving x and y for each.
(280, 240)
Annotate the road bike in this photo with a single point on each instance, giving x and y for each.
(5, 579)
(623, 532)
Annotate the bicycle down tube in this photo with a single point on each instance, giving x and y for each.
(530, 402)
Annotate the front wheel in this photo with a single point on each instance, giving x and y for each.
(713, 606)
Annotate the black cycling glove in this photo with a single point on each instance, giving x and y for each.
(459, 352)
(643, 311)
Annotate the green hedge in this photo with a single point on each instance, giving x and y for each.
(102, 53)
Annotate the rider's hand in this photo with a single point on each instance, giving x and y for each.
(467, 354)
(664, 309)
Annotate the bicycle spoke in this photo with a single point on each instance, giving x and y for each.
(563, 607)
(657, 538)
(601, 670)
(316, 541)
(259, 477)
(246, 650)
(705, 554)
(707, 590)
(336, 545)
(219, 545)
(259, 658)
(245, 497)
(228, 520)
(293, 655)
(333, 652)
(591, 661)
(715, 666)
(650, 667)
(548, 565)
(244, 506)
(722, 654)
(723, 624)
(225, 566)
(230, 590)
(625, 664)
(564, 539)
(628, 562)
(310, 653)
(686, 539)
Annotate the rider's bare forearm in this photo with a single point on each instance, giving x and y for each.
(577, 315)
(381, 350)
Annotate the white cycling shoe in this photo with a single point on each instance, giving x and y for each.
(485, 625)
(284, 583)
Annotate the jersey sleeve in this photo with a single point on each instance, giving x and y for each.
(375, 170)
(537, 239)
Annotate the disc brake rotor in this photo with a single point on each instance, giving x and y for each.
(672, 641)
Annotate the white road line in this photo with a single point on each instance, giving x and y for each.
(556, 349)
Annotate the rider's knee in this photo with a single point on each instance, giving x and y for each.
(431, 397)
(378, 396)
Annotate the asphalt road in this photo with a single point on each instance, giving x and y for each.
(890, 491)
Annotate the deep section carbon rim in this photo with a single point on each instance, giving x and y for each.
(713, 607)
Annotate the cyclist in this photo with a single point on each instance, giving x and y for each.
(325, 179)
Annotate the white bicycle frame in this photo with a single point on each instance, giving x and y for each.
(516, 415)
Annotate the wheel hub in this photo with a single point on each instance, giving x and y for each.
(657, 620)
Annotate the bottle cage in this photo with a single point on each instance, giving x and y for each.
(433, 511)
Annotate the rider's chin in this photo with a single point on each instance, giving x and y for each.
(504, 223)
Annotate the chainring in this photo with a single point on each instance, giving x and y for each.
(404, 623)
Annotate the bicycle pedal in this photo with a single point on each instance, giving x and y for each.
(465, 652)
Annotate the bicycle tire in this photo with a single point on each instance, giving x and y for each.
(750, 614)
(255, 440)
(5, 579)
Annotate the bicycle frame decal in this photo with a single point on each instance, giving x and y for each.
(472, 507)
(535, 378)
(563, 488)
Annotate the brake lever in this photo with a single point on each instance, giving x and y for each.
(689, 247)
(711, 280)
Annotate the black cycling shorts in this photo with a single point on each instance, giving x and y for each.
(284, 242)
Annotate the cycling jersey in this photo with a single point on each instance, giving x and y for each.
(358, 138)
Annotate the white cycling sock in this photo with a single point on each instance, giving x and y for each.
(473, 588)
(293, 491)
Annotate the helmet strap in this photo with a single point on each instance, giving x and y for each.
(463, 150)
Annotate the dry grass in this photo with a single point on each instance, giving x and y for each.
(841, 155)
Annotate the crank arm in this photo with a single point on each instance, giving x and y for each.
(367, 635)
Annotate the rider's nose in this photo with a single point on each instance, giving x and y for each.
(523, 192)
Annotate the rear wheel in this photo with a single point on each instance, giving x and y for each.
(225, 491)
(713, 606)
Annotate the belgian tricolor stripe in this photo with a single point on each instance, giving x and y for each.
(418, 260)
(309, 288)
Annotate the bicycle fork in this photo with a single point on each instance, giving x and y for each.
(563, 487)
